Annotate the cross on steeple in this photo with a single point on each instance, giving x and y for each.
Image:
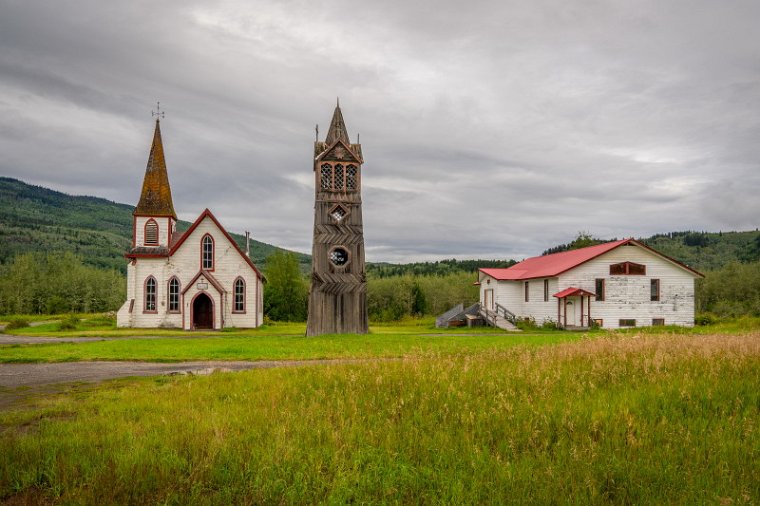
(158, 113)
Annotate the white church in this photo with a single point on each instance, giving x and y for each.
(199, 279)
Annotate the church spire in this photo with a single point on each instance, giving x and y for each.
(156, 196)
(337, 128)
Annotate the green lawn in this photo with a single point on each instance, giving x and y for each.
(624, 419)
(384, 343)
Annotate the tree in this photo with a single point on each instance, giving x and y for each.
(286, 292)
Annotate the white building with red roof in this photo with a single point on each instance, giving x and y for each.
(199, 279)
(617, 284)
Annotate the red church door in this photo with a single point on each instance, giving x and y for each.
(203, 312)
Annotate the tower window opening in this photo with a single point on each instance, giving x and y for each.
(326, 176)
(338, 177)
(351, 173)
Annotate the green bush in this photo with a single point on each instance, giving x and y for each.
(17, 323)
(69, 323)
(706, 319)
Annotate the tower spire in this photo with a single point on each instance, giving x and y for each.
(156, 195)
(337, 128)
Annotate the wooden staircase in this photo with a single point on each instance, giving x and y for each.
(501, 318)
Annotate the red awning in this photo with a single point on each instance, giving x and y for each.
(572, 292)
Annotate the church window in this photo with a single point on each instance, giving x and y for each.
(326, 176)
(239, 296)
(207, 253)
(338, 177)
(174, 295)
(339, 257)
(351, 172)
(151, 233)
(338, 213)
(150, 294)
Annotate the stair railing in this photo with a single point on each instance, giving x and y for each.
(506, 313)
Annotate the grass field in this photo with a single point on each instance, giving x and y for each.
(625, 419)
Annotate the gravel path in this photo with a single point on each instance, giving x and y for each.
(20, 381)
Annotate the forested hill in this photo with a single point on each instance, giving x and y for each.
(33, 218)
(704, 251)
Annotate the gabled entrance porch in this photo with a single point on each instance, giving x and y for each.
(574, 308)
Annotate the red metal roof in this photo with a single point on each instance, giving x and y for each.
(548, 266)
(572, 291)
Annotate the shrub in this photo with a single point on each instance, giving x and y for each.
(705, 319)
(17, 323)
(69, 323)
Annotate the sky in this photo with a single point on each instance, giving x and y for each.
(490, 129)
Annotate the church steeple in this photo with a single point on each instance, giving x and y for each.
(156, 196)
(337, 128)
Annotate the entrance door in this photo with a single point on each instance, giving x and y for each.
(203, 312)
(572, 311)
(488, 299)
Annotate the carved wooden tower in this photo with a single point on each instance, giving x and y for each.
(338, 295)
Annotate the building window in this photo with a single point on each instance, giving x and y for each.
(599, 322)
(654, 288)
(599, 289)
(174, 295)
(239, 295)
(628, 322)
(207, 253)
(338, 213)
(339, 257)
(151, 233)
(527, 291)
(628, 268)
(325, 176)
(351, 180)
(338, 184)
(150, 294)
(546, 290)
(658, 322)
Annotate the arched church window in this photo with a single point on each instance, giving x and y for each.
(326, 176)
(174, 295)
(339, 177)
(351, 179)
(151, 233)
(207, 253)
(150, 294)
(239, 296)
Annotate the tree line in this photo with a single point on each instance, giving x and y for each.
(38, 283)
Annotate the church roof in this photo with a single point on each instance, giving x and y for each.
(337, 129)
(156, 195)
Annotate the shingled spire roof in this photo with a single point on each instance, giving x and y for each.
(156, 196)
(337, 128)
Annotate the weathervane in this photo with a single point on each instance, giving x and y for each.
(158, 112)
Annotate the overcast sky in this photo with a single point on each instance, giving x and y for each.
(491, 129)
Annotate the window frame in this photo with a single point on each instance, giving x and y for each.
(235, 310)
(658, 322)
(212, 253)
(546, 290)
(527, 291)
(600, 282)
(626, 325)
(627, 268)
(149, 297)
(169, 295)
(654, 290)
(153, 224)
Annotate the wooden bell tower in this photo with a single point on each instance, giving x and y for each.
(338, 295)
